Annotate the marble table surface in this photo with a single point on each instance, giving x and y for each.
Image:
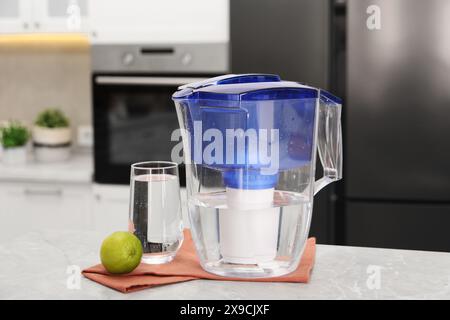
(46, 265)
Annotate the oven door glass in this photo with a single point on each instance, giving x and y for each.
(134, 120)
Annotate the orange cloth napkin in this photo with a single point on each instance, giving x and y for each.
(185, 267)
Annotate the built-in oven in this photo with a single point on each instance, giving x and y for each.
(133, 113)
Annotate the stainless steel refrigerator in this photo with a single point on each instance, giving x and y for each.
(396, 190)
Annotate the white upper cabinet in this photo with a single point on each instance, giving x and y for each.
(159, 21)
(15, 16)
(54, 16)
(121, 21)
(44, 16)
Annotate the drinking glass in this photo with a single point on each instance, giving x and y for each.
(155, 210)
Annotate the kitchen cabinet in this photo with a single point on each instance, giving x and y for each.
(34, 206)
(44, 16)
(15, 16)
(159, 22)
(110, 208)
(118, 21)
(47, 196)
(53, 16)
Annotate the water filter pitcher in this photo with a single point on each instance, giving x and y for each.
(249, 144)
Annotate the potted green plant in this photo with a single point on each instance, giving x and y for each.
(52, 136)
(14, 137)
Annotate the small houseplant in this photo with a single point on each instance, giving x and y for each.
(52, 136)
(14, 137)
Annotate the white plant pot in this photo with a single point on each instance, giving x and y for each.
(51, 144)
(15, 155)
(51, 136)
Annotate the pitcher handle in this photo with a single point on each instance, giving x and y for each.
(329, 140)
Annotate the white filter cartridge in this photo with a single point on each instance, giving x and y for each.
(249, 226)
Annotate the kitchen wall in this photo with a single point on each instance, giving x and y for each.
(41, 74)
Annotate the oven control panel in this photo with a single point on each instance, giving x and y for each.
(178, 58)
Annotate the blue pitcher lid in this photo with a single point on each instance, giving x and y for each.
(245, 87)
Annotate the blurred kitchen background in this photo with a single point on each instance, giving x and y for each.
(110, 66)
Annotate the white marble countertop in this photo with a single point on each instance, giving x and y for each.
(39, 265)
(78, 169)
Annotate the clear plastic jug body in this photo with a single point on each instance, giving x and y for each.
(250, 183)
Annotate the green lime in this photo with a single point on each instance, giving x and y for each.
(121, 252)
